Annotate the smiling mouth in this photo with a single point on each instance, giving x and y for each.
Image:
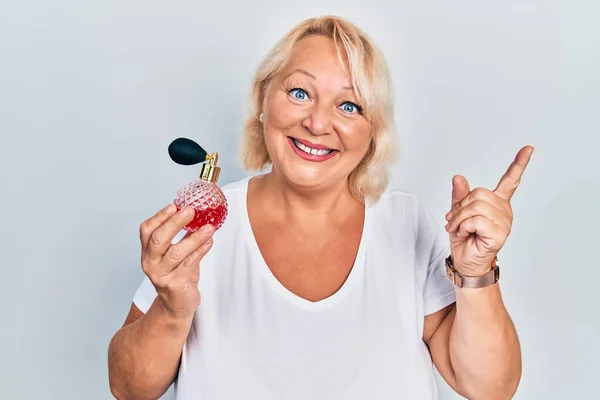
(311, 151)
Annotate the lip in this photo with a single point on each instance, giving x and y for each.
(313, 145)
(311, 157)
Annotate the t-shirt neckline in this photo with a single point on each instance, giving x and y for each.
(355, 273)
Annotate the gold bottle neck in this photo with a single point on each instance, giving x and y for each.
(210, 172)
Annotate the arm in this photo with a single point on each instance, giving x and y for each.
(143, 356)
(474, 345)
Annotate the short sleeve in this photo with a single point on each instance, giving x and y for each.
(434, 246)
(144, 295)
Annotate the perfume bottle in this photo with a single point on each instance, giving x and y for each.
(202, 194)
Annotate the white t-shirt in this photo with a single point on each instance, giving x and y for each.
(251, 338)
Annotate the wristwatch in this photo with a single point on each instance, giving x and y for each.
(465, 281)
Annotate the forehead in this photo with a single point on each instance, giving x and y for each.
(318, 55)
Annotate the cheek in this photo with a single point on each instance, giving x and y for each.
(355, 135)
(283, 114)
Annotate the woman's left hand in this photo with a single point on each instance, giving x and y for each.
(480, 220)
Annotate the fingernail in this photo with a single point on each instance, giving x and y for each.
(170, 208)
(447, 226)
(208, 229)
(449, 216)
(187, 211)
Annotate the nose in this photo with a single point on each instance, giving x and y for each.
(319, 121)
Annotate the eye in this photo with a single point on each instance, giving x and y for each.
(299, 94)
(351, 108)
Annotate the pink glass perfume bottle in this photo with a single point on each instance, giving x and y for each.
(202, 194)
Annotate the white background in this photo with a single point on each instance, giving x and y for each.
(92, 92)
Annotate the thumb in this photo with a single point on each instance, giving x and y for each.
(460, 189)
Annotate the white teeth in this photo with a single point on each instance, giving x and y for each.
(308, 150)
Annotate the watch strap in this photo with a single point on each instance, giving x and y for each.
(473, 282)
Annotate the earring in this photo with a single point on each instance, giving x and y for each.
(261, 117)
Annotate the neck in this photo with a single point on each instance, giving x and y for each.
(307, 206)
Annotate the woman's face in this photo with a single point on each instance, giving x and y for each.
(315, 131)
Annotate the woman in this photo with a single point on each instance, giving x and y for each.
(323, 283)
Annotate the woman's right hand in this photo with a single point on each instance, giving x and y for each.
(174, 269)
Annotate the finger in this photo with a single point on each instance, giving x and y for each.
(485, 229)
(473, 209)
(194, 258)
(190, 265)
(178, 252)
(148, 226)
(477, 194)
(162, 237)
(460, 189)
(512, 177)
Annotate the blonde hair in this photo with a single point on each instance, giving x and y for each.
(372, 86)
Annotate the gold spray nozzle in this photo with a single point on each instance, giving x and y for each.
(210, 171)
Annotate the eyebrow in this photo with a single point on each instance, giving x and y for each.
(305, 72)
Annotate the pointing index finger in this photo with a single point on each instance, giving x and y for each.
(512, 177)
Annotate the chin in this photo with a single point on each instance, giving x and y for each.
(308, 176)
(305, 177)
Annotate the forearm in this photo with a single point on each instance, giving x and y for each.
(484, 347)
(144, 356)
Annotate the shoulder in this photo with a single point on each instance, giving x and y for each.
(235, 191)
(398, 204)
(236, 187)
(404, 214)
(235, 196)
(394, 196)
